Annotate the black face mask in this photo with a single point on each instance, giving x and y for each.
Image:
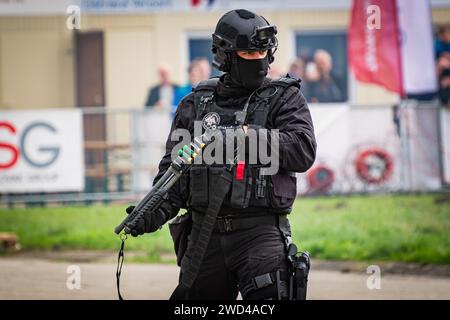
(250, 74)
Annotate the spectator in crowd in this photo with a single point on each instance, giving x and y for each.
(442, 63)
(326, 89)
(199, 69)
(297, 71)
(205, 69)
(162, 95)
(312, 73)
(442, 42)
(444, 88)
(312, 77)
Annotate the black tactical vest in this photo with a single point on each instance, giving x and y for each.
(251, 191)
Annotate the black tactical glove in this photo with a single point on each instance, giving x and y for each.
(152, 221)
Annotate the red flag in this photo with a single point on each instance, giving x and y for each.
(374, 48)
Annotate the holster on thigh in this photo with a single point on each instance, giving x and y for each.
(268, 286)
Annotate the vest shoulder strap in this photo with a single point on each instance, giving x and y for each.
(208, 84)
(286, 82)
(281, 85)
(203, 93)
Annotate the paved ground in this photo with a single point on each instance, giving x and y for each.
(33, 278)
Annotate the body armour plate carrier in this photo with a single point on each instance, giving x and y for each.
(251, 190)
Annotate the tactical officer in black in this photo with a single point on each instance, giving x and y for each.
(247, 248)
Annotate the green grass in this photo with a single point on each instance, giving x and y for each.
(383, 228)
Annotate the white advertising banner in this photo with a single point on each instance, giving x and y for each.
(151, 129)
(355, 144)
(41, 151)
(35, 7)
(65, 7)
(43, 7)
(360, 148)
(417, 53)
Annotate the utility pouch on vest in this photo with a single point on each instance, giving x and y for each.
(241, 189)
(180, 228)
(199, 186)
(283, 190)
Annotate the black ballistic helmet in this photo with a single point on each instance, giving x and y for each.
(241, 30)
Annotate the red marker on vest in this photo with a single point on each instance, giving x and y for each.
(240, 170)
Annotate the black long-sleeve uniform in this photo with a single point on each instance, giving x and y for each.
(234, 258)
(290, 115)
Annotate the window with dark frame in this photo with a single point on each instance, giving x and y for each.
(318, 82)
(201, 48)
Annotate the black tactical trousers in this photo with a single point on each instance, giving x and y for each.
(234, 258)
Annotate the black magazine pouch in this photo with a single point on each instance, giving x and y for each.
(283, 190)
(180, 228)
(260, 187)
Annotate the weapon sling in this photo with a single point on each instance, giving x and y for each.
(158, 193)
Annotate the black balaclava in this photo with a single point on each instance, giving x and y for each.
(250, 74)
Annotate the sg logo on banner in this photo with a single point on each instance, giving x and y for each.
(41, 151)
(51, 151)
